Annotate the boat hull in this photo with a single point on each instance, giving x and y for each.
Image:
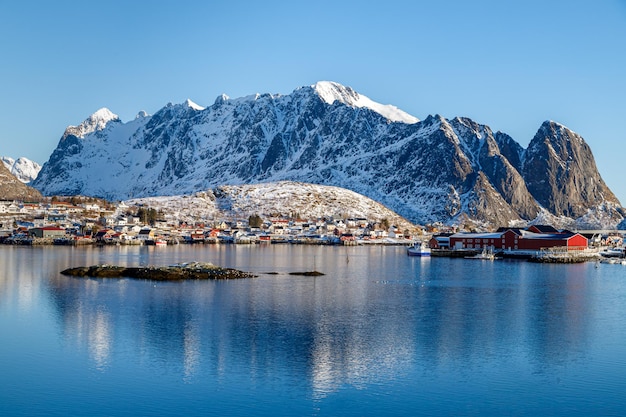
(417, 252)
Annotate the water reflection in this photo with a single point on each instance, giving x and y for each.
(348, 327)
(375, 317)
(99, 337)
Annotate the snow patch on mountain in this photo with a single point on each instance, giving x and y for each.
(330, 92)
(193, 105)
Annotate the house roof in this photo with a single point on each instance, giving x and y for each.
(547, 236)
(544, 228)
(477, 235)
(514, 229)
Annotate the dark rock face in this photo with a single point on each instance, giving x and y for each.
(561, 173)
(13, 189)
(433, 170)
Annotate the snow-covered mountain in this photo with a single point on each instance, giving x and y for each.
(456, 171)
(13, 189)
(23, 168)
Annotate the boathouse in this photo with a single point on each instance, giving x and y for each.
(440, 241)
(518, 239)
(47, 232)
(528, 240)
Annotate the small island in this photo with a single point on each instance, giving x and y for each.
(177, 272)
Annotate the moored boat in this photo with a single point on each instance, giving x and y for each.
(418, 249)
(613, 253)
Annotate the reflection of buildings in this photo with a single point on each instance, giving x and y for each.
(472, 315)
(149, 319)
(319, 331)
(368, 321)
(18, 280)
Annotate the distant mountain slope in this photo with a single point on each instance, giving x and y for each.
(285, 198)
(432, 170)
(13, 189)
(23, 168)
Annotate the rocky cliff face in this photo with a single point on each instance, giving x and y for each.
(430, 170)
(561, 173)
(12, 188)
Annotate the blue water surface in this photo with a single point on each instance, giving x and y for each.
(379, 334)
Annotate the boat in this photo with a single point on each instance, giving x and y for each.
(613, 253)
(614, 261)
(418, 249)
(160, 242)
(485, 255)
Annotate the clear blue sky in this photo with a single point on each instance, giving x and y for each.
(510, 65)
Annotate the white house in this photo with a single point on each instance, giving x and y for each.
(92, 207)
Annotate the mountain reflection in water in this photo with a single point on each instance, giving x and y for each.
(379, 324)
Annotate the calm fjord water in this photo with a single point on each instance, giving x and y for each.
(379, 334)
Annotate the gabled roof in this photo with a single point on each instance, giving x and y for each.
(544, 228)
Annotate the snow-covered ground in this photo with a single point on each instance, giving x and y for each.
(285, 198)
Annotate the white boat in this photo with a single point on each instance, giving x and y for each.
(160, 242)
(613, 253)
(485, 255)
(614, 261)
(418, 249)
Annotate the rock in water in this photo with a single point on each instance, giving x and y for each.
(178, 272)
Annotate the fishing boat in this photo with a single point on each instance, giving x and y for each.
(418, 249)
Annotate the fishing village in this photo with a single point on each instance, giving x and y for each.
(98, 222)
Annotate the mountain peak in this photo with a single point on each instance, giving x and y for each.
(141, 114)
(558, 131)
(561, 173)
(193, 105)
(330, 92)
(103, 115)
(97, 121)
(221, 99)
(12, 188)
(23, 168)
